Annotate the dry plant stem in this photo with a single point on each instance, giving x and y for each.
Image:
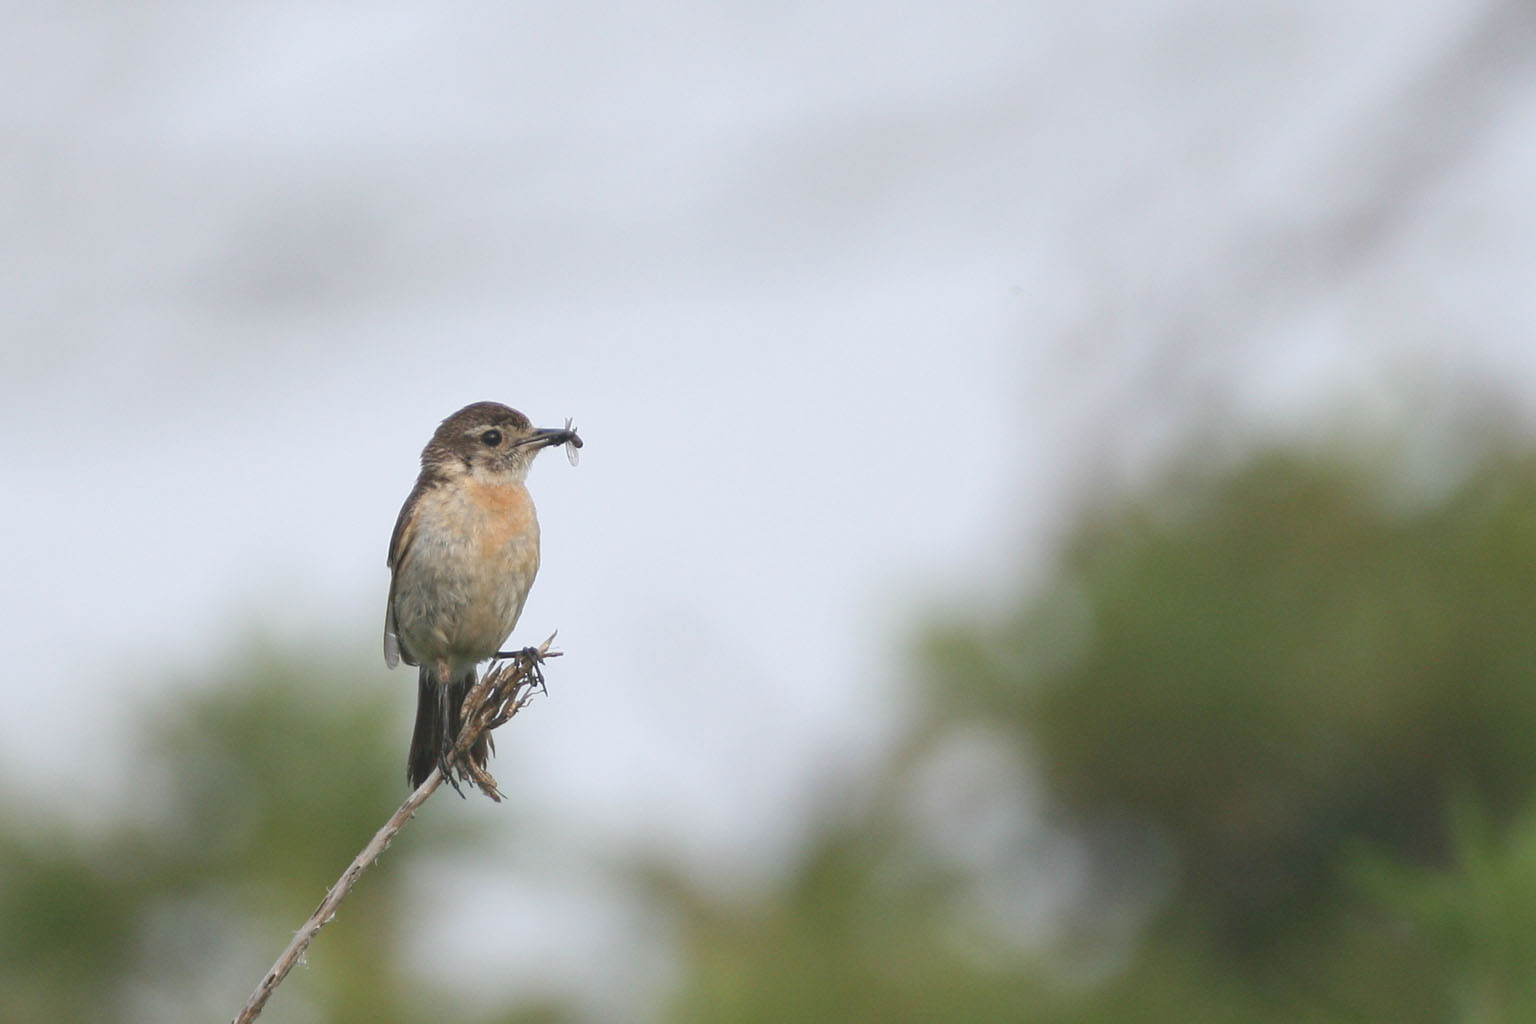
(503, 690)
(327, 908)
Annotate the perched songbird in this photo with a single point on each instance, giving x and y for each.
(462, 558)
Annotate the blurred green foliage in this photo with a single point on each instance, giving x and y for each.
(1298, 681)
(1265, 736)
(858, 934)
(1276, 664)
(260, 790)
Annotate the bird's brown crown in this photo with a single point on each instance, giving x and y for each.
(485, 435)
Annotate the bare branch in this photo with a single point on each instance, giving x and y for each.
(504, 689)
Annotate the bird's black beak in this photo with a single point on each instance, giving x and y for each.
(547, 437)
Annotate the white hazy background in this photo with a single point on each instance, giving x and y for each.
(852, 302)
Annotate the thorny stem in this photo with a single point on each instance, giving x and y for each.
(504, 689)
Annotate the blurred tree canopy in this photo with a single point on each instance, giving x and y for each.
(1260, 750)
(1294, 702)
(1273, 666)
(261, 789)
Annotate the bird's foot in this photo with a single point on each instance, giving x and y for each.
(532, 654)
(448, 772)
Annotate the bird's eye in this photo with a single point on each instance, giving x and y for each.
(492, 438)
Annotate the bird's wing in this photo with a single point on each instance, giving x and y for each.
(399, 545)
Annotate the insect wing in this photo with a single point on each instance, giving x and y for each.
(572, 453)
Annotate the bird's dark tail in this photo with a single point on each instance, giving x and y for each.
(438, 720)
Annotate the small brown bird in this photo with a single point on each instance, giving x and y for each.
(462, 558)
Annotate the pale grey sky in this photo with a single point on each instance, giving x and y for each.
(847, 299)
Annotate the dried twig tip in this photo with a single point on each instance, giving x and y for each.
(504, 689)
